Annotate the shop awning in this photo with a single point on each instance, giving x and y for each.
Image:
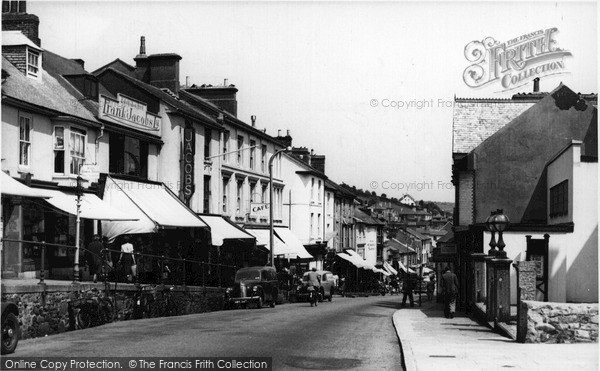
(91, 206)
(152, 203)
(221, 229)
(379, 270)
(354, 254)
(403, 267)
(11, 186)
(349, 258)
(263, 238)
(391, 269)
(292, 242)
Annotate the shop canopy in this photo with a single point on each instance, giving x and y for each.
(153, 204)
(11, 186)
(263, 238)
(292, 242)
(379, 270)
(389, 268)
(403, 267)
(348, 258)
(91, 206)
(358, 258)
(221, 229)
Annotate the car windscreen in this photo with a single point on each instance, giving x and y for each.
(247, 275)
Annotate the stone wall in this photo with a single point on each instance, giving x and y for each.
(45, 310)
(545, 322)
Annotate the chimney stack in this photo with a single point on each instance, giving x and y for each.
(278, 132)
(15, 18)
(187, 81)
(142, 45)
(225, 82)
(287, 140)
(536, 85)
(253, 118)
(160, 70)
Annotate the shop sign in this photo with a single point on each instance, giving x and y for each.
(90, 172)
(260, 209)
(129, 112)
(446, 249)
(187, 171)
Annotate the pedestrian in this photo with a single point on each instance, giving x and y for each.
(313, 281)
(127, 260)
(407, 289)
(430, 287)
(450, 291)
(93, 257)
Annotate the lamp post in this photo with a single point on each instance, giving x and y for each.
(79, 193)
(271, 236)
(492, 229)
(500, 224)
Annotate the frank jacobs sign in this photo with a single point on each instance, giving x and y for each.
(129, 112)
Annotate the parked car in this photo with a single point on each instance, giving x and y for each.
(258, 285)
(327, 285)
(10, 327)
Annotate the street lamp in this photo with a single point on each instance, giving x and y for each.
(271, 236)
(500, 224)
(492, 229)
(79, 193)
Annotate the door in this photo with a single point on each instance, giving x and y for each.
(537, 250)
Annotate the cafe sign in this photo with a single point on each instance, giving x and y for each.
(260, 209)
(130, 113)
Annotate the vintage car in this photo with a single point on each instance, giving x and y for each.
(10, 327)
(327, 285)
(258, 285)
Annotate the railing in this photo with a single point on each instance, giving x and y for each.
(163, 269)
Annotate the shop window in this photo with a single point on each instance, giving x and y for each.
(76, 150)
(24, 140)
(559, 199)
(128, 156)
(59, 149)
(33, 63)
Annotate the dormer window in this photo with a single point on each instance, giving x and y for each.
(33, 63)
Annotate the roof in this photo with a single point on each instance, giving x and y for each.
(474, 120)
(417, 234)
(179, 105)
(309, 169)
(119, 65)
(401, 247)
(15, 38)
(403, 210)
(448, 237)
(338, 189)
(362, 217)
(49, 93)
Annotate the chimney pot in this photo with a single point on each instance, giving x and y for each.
(225, 82)
(187, 81)
(278, 132)
(143, 45)
(536, 85)
(288, 132)
(253, 118)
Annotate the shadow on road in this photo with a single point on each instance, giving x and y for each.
(388, 304)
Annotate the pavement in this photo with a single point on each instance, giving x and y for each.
(430, 341)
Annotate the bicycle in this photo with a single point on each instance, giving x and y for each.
(94, 309)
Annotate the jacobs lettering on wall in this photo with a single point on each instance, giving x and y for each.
(189, 150)
(129, 112)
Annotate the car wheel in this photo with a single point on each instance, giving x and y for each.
(10, 333)
(84, 318)
(330, 295)
(272, 304)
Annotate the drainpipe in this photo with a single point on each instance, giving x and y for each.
(97, 142)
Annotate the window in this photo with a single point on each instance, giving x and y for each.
(24, 140)
(265, 188)
(77, 150)
(33, 63)
(127, 156)
(59, 150)
(312, 189)
(225, 190)
(318, 225)
(207, 138)
(225, 145)
(559, 199)
(240, 198)
(207, 194)
(253, 192)
(240, 144)
(252, 153)
(263, 161)
(312, 226)
(319, 191)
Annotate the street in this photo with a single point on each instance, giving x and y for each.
(347, 333)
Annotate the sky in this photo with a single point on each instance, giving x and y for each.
(370, 85)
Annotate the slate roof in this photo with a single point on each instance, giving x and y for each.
(309, 169)
(476, 119)
(179, 105)
(338, 189)
(447, 238)
(402, 248)
(362, 217)
(417, 234)
(48, 93)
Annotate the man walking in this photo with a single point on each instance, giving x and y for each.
(450, 291)
(407, 288)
